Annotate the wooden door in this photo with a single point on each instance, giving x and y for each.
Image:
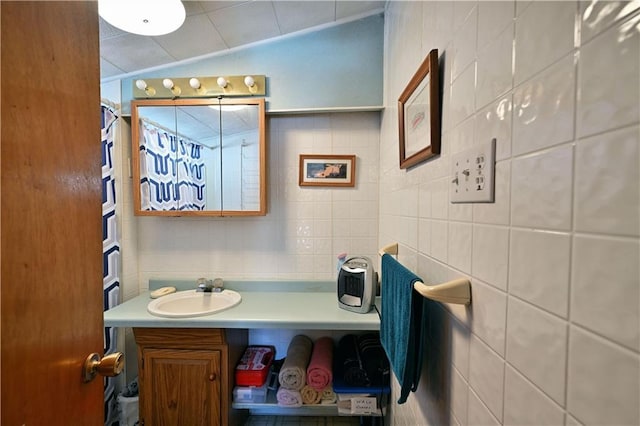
(180, 387)
(50, 253)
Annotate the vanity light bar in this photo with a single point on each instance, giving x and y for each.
(199, 87)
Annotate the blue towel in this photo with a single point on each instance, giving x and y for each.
(402, 324)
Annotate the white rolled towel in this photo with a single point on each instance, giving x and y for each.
(289, 398)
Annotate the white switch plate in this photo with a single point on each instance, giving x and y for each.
(474, 174)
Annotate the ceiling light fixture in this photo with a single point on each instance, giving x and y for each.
(195, 83)
(222, 82)
(168, 84)
(142, 85)
(144, 17)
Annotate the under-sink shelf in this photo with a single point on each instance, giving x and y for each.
(271, 407)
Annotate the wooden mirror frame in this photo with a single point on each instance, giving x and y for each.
(430, 147)
(135, 155)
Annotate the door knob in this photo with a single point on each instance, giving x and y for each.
(110, 365)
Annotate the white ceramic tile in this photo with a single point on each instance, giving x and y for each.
(596, 15)
(460, 246)
(464, 44)
(462, 11)
(439, 239)
(544, 34)
(461, 137)
(462, 212)
(495, 76)
(462, 103)
(603, 385)
(539, 265)
(543, 108)
(537, 347)
(494, 121)
(459, 396)
(493, 18)
(607, 187)
(478, 413)
(572, 421)
(489, 315)
(521, 6)
(541, 189)
(486, 376)
(603, 102)
(424, 236)
(604, 288)
(440, 199)
(490, 255)
(444, 23)
(526, 405)
(460, 336)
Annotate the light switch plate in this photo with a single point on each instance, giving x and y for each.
(474, 174)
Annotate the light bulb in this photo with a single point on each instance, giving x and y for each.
(222, 82)
(167, 83)
(194, 83)
(141, 84)
(249, 81)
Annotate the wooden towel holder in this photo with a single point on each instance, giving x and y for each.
(456, 291)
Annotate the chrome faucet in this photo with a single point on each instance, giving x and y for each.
(210, 286)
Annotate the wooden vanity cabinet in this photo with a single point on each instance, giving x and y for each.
(186, 375)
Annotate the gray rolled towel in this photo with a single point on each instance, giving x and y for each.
(293, 374)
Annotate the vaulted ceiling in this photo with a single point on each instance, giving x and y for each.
(213, 27)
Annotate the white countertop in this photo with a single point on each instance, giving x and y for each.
(265, 304)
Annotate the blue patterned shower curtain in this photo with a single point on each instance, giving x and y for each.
(110, 252)
(172, 171)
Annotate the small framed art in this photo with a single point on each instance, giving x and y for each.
(419, 114)
(327, 170)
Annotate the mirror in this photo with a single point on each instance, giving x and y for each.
(199, 157)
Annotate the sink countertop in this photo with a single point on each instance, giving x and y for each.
(294, 305)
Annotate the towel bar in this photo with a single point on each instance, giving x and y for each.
(455, 291)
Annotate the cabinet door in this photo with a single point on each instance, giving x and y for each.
(180, 387)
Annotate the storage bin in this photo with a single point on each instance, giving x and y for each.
(253, 367)
(252, 394)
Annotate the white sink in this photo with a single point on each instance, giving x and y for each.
(191, 303)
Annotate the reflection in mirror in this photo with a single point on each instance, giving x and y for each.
(187, 166)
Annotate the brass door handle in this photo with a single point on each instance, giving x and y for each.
(110, 365)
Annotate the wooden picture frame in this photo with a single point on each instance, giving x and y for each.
(327, 170)
(419, 114)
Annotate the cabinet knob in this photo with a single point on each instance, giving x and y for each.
(212, 377)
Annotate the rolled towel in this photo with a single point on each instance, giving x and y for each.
(319, 371)
(293, 374)
(348, 363)
(289, 398)
(310, 395)
(328, 396)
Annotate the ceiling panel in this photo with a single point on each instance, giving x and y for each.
(246, 23)
(216, 26)
(196, 37)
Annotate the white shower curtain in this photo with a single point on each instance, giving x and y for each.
(110, 251)
(172, 171)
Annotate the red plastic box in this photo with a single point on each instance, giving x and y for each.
(253, 367)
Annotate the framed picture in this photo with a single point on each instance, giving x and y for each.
(419, 114)
(327, 170)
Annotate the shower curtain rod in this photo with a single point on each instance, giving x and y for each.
(189, 140)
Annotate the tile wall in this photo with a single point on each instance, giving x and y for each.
(305, 226)
(553, 334)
